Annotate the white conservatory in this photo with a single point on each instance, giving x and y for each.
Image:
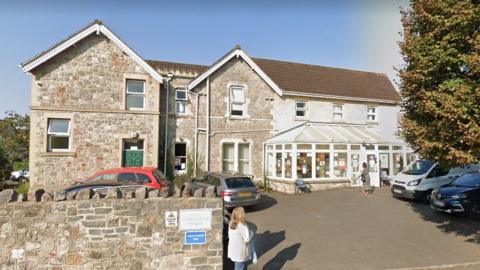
(326, 154)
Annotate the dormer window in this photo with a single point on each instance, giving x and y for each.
(372, 114)
(337, 112)
(301, 108)
(181, 100)
(237, 101)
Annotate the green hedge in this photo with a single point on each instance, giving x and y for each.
(20, 166)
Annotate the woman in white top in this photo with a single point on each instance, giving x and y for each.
(239, 237)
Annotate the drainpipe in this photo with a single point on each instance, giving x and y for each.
(195, 149)
(167, 103)
(207, 140)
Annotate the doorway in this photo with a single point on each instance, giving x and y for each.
(132, 154)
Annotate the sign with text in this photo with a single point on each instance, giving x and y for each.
(195, 219)
(171, 219)
(195, 238)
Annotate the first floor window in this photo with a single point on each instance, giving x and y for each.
(180, 161)
(58, 135)
(301, 108)
(180, 101)
(372, 114)
(237, 101)
(337, 112)
(228, 150)
(135, 95)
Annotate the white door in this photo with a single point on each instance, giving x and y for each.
(371, 158)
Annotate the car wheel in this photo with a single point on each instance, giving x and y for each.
(474, 212)
(427, 197)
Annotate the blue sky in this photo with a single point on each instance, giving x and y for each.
(351, 34)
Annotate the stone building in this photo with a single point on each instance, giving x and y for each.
(96, 104)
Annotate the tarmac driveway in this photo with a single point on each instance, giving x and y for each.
(341, 229)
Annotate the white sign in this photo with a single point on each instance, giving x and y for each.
(195, 219)
(17, 254)
(171, 219)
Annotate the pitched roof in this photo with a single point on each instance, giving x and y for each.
(304, 79)
(328, 81)
(97, 27)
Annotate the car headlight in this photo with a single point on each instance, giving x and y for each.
(414, 183)
(459, 196)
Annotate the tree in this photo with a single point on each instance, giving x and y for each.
(14, 134)
(3, 160)
(440, 81)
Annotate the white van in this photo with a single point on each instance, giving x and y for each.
(422, 176)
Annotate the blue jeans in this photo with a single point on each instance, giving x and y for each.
(240, 265)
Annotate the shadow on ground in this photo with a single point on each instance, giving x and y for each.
(265, 203)
(449, 224)
(286, 254)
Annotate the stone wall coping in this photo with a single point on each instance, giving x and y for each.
(284, 181)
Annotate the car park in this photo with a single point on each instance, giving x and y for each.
(235, 189)
(123, 178)
(461, 196)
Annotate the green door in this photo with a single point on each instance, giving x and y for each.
(132, 158)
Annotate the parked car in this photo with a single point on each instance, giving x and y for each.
(235, 189)
(424, 189)
(406, 181)
(20, 176)
(461, 196)
(131, 177)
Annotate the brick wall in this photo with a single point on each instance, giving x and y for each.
(105, 234)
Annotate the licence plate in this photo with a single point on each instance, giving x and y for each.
(398, 191)
(244, 194)
(439, 203)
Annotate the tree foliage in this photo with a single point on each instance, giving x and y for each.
(14, 137)
(440, 81)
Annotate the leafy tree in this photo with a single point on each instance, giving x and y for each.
(14, 133)
(3, 161)
(440, 81)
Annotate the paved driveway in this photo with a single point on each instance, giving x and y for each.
(341, 229)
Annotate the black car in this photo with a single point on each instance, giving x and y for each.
(461, 196)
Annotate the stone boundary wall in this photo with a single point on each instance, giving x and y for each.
(117, 231)
(288, 186)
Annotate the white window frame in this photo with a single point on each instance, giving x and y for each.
(236, 160)
(181, 100)
(335, 112)
(373, 114)
(127, 93)
(232, 102)
(297, 109)
(51, 134)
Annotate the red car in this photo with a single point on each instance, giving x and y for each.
(129, 176)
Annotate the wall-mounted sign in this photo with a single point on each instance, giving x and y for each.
(195, 219)
(171, 219)
(195, 238)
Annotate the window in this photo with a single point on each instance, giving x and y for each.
(135, 95)
(180, 161)
(270, 164)
(237, 101)
(340, 165)
(143, 178)
(180, 101)
(244, 158)
(372, 114)
(322, 162)
(58, 135)
(288, 164)
(278, 164)
(337, 112)
(127, 177)
(228, 157)
(304, 165)
(301, 108)
(397, 163)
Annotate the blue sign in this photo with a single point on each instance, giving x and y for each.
(195, 238)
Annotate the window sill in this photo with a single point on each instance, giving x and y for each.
(237, 118)
(372, 122)
(58, 154)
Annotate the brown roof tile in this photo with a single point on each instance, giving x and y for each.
(309, 79)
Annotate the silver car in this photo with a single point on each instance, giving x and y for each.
(235, 189)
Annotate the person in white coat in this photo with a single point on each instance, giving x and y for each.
(239, 238)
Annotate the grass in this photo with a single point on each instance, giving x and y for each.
(22, 188)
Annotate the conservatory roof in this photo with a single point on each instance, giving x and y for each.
(315, 132)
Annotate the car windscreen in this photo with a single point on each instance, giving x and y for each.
(468, 180)
(419, 167)
(239, 182)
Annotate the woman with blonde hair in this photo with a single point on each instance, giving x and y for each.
(239, 238)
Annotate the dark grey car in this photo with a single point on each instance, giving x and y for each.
(235, 189)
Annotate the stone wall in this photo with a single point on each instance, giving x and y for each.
(288, 186)
(105, 234)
